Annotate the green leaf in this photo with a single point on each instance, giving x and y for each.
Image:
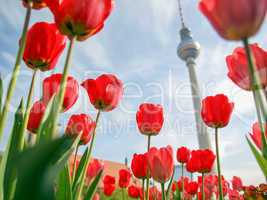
(92, 189)
(81, 169)
(37, 168)
(170, 185)
(8, 176)
(45, 130)
(262, 162)
(64, 185)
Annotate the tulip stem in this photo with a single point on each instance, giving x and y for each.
(182, 181)
(218, 164)
(63, 84)
(15, 73)
(74, 162)
(123, 194)
(202, 187)
(163, 191)
(143, 187)
(88, 156)
(27, 111)
(147, 179)
(258, 94)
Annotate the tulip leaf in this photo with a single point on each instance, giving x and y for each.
(64, 185)
(38, 166)
(92, 189)
(45, 130)
(8, 176)
(262, 162)
(80, 172)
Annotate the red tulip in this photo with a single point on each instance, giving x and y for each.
(109, 180)
(154, 193)
(216, 111)
(234, 20)
(183, 155)
(191, 166)
(94, 167)
(256, 134)
(191, 188)
(36, 4)
(124, 178)
(109, 185)
(139, 166)
(179, 183)
(51, 85)
(234, 195)
(203, 160)
(161, 164)
(150, 118)
(238, 67)
(81, 124)
(174, 186)
(80, 18)
(105, 92)
(44, 45)
(134, 191)
(109, 189)
(36, 114)
(237, 183)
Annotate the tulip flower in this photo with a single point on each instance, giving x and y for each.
(44, 45)
(124, 178)
(182, 183)
(150, 119)
(109, 185)
(134, 192)
(80, 18)
(191, 188)
(109, 189)
(51, 86)
(234, 20)
(234, 195)
(183, 155)
(256, 135)
(154, 194)
(161, 165)
(139, 166)
(237, 183)
(36, 114)
(203, 160)
(81, 124)
(105, 92)
(238, 70)
(216, 112)
(36, 4)
(93, 169)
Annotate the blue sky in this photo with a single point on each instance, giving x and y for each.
(138, 44)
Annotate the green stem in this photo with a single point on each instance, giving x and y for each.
(123, 193)
(202, 187)
(163, 191)
(27, 111)
(15, 73)
(63, 84)
(143, 187)
(74, 162)
(147, 179)
(218, 164)
(182, 181)
(88, 155)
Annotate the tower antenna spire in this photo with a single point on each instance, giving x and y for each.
(181, 16)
